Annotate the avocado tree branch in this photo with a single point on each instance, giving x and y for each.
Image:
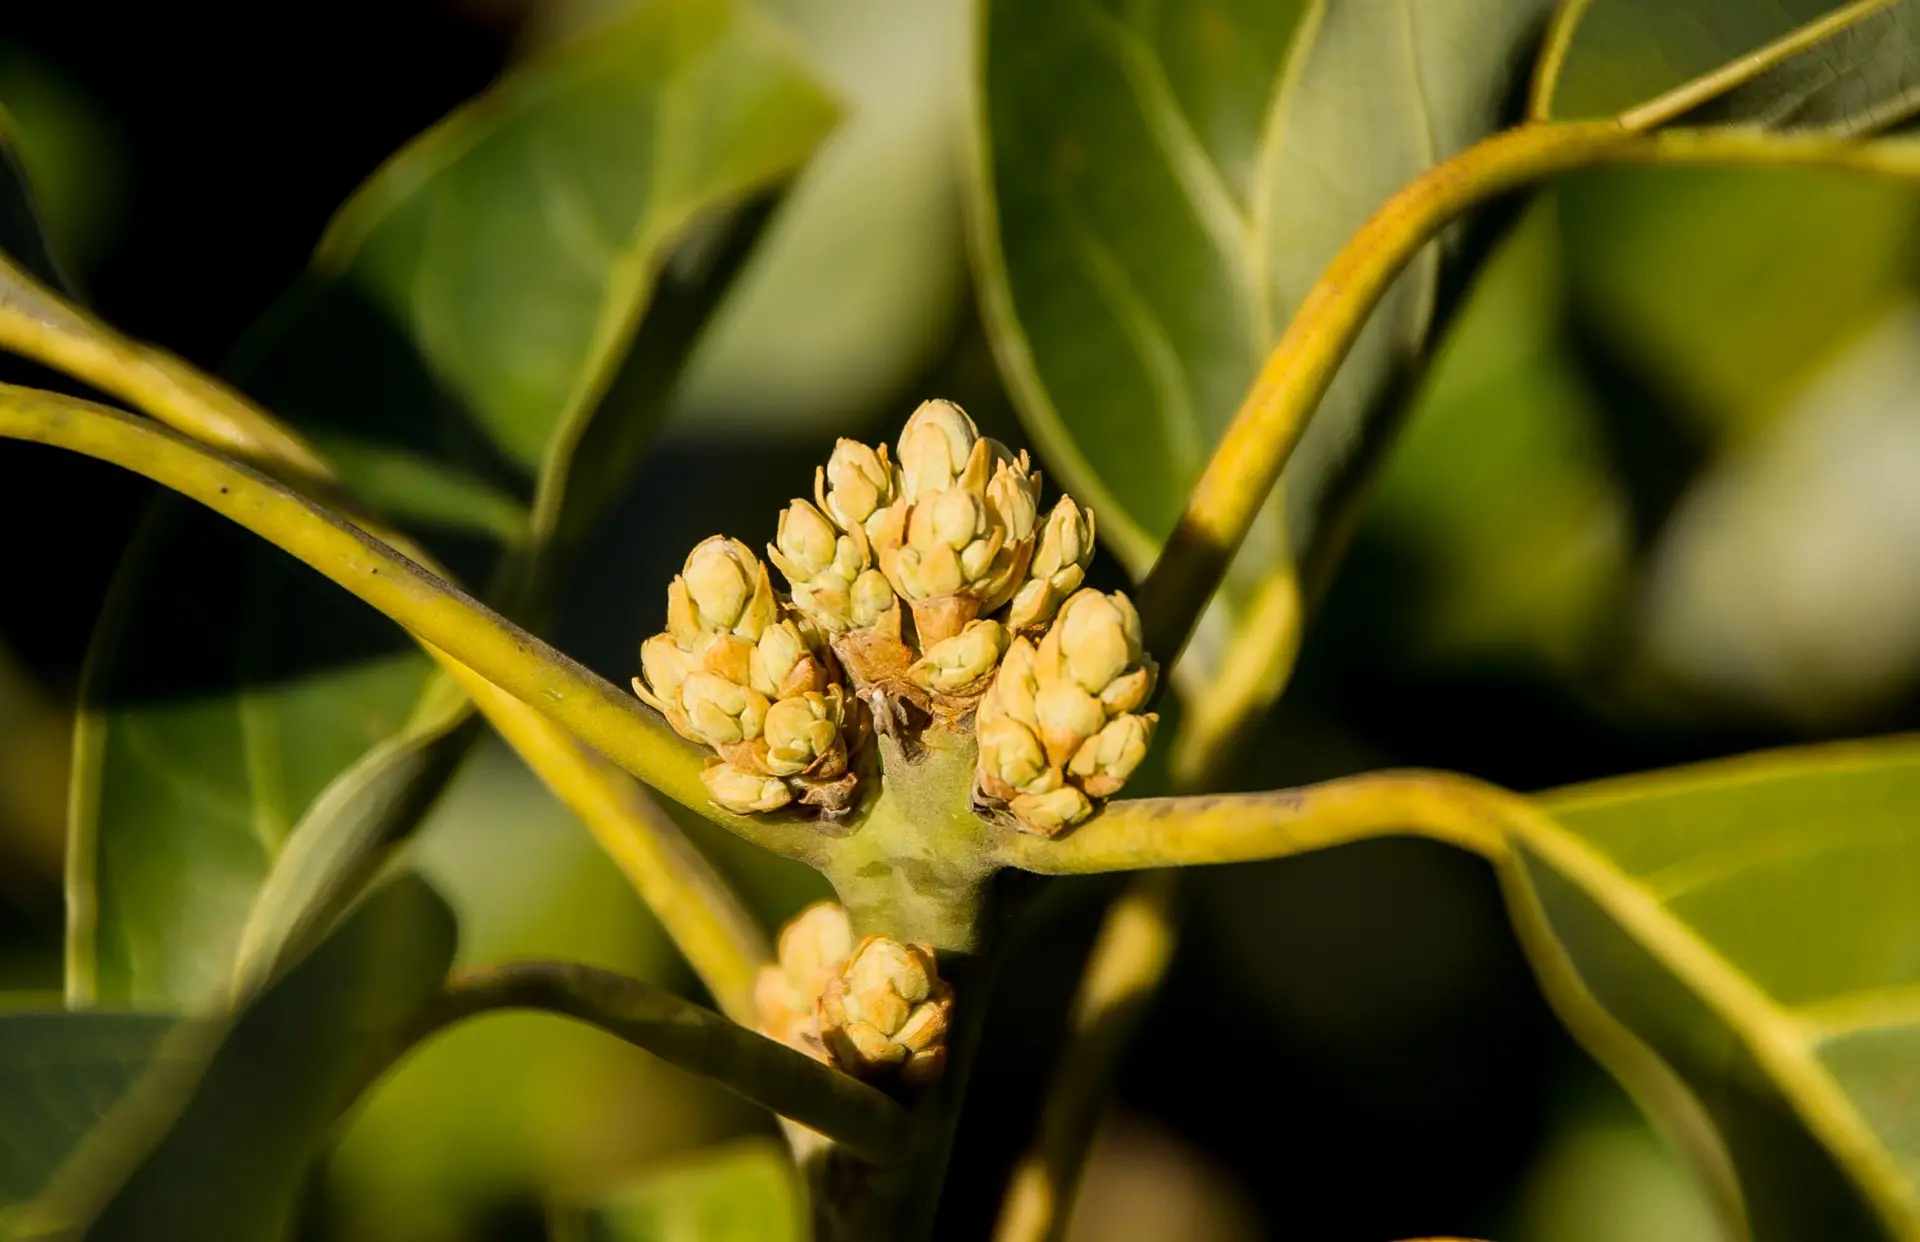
(861, 1118)
(1265, 430)
(437, 613)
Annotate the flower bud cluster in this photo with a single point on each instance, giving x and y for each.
(1061, 725)
(941, 535)
(932, 578)
(877, 1009)
(740, 671)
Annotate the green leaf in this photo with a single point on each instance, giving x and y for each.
(1752, 923)
(1726, 289)
(21, 232)
(1158, 187)
(1498, 494)
(1809, 65)
(1817, 506)
(744, 1193)
(496, 271)
(59, 1074)
(196, 1128)
(500, 312)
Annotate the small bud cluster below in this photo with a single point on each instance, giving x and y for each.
(925, 586)
(877, 1009)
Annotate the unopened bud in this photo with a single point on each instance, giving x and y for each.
(743, 791)
(886, 1012)
(957, 663)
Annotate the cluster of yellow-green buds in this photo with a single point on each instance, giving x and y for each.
(931, 579)
(903, 559)
(877, 1009)
(1061, 725)
(741, 671)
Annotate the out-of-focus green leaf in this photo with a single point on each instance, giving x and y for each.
(1500, 489)
(227, 691)
(863, 277)
(520, 1105)
(1753, 923)
(59, 1074)
(73, 155)
(502, 308)
(1603, 1176)
(509, 255)
(1159, 186)
(1728, 288)
(21, 233)
(746, 1193)
(145, 1127)
(1787, 583)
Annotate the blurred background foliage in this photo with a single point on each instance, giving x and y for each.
(1655, 504)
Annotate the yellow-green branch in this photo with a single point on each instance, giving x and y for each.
(36, 323)
(1250, 456)
(1228, 828)
(699, 911)
(862, 1119)
(433, 610)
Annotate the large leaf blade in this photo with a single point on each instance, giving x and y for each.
(143, 1126)
(1752, 921)
(529, 232)
(1153, 197)
(1789, 65)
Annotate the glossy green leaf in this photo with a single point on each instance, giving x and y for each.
(1158, 187)
(140, 1126)
(1753, 923)
(501, 311)
(1816, 65)
(745, 1193)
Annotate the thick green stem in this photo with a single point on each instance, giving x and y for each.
(789, 1083)
(433, 610)
(918, 865)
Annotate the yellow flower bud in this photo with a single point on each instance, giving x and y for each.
(1012, 761)
(1105, 761)
(1060, 558)
(934, 448)
(742, 791)
(1052, 811)
(722, 589)
(813, 947)
(856, 483)
(1058, 727)
(665, 669)
(957, 663)
(722, 712)
(886, 1013)
(956, 542)
(831, 573)
(802, 730)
